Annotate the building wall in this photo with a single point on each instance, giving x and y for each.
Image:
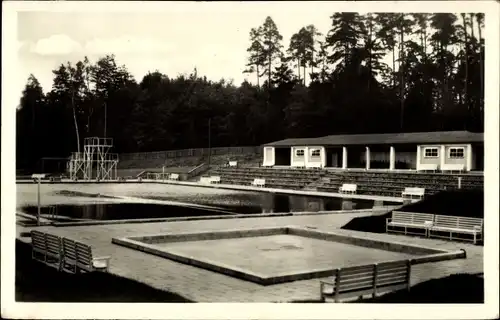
(316, 160)
(413, 159)
(474, 159)
(449, 160)
(427, 160)
(443, 158)
(298, 161)
(268, 155)
(307, 159)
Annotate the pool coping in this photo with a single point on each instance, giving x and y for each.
(374, 210)
(425, 254)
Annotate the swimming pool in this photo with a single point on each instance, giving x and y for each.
(67, 202)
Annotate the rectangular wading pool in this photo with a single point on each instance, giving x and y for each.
(276, 255)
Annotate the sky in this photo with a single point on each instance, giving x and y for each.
(173, 42)
(170, 37)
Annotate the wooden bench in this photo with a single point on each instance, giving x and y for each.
(205, 179)
(373, 279)
(173, 176)
(409, 220)
(69, 256)
(215, 179)
(233, 163)
(53, 245)
(413, 192)
(348, 188)
(259, 182)
(453, 167)
(457, 225)
(428, 167)
(38, 248)
(85, 260)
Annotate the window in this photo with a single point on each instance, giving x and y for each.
(456, 153)
(315, 153)
(299, 153)
(431, 153)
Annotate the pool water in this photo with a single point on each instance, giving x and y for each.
(102, 202)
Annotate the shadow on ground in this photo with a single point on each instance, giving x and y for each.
(457, 288)
(462, 203)
(36, 282)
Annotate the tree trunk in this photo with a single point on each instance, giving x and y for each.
(481, 71)
(394, 66)
(401, 64)
(471, 15)
(312, 62)
(370, 57)
(75, 120)
(269, 70)
(258, 75)
(298, 68)
(466, 81)
(304, 67)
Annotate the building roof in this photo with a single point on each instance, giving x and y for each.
(384, 138)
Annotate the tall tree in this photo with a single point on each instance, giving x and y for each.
(343, 37)
(312, 48)
(387, 34)
(271, 46)
(300, 49)
(30, 122)
(256, 56)
(404, 24)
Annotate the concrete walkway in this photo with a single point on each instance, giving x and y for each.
(206, 286)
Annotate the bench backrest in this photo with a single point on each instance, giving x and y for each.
(84, 255)
(38, 240)
(412, 217)
(69, 250)
(458, 222)
(174, 176)
(349, 187)
(233, 163)
(215, 178)
(259, 182)
(454, 166)
(415, 191)
(372, 277)
(53, 244)
(205, 179)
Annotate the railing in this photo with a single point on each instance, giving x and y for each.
(190, 153)
(197, 171)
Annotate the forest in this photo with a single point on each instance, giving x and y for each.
(370, 73)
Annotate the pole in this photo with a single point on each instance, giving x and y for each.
(38, 201)
(163, 173)
(459, 182)
(209, 141)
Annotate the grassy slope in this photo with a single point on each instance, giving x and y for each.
(36, 282)
(468, 203)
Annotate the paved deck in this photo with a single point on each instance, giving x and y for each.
(206, 286)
